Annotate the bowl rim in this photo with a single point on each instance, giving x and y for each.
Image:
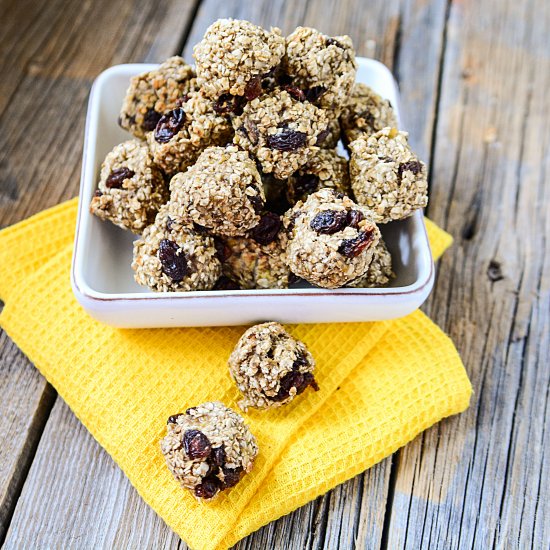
(87, 178)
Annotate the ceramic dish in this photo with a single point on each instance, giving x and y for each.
(102, 278)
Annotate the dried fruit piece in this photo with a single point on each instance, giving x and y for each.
(218, 456)
(169, 125)
(322, 136)
(328, 222)
(257, 203)
(173, 264)
(228, 103)
(297, 380)
(196, 444)
(208, 488)
(173, 419)
(353, 218)
(267, 229)
(253, 88)
(287, 140)
(413, 166)
(150, 120)
(295, 92)
(116, 177)
(231, 476)
(351, 248)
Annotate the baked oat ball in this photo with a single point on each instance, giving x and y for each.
(322, 66)
(365, 114)
(208, 449)
(259, 259)
(131, 187)
(280, 131)
(222, 192)
(386, 176)
(326, 169)
(183, 133)
(380, 271)
(270, 367)
(234, 56)
(331, 239)
(171, 256)
(152, 94)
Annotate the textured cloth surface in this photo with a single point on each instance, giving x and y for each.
(381, 384)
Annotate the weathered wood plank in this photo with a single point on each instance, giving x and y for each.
(51, 56)
(481, 480)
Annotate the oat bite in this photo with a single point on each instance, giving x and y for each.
(387, 177)
(183, 133)
(323, 67)
(280, 131)
(270, 367)
(222, 192)
(208, 449)
(234, 56)
(380, 271)
(152, 94)
(331, 239)
(365, 114)
(171, 256)
(259, 259)
(131, 187)
(326, 169)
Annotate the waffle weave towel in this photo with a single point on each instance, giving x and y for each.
(381, 385)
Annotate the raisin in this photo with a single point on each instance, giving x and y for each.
(231, 476)
(305, 184)
(354, 217)
(297, 380)
(333, 41)
(223, 251)
(257, 202)
(351, 248)
(172, 419)
(228, 103)
(253, 88)
(208, 488)
(314, 93)
(150, 120)
(328, 222)
(169, 125)
(267, 229)
(295, 92)
(196, 444)
(225, 283)
(322, 136)
(173, 264)
(190, 410)
(200, 229)
(287, 140)
(412, 166)
(300, 361)
(218, 456)
(116, 177)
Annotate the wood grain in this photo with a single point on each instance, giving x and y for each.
(481, 480)
(49, 50)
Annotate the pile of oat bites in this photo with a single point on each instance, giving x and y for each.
(232, 179)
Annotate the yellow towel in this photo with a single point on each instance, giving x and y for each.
(381, 385)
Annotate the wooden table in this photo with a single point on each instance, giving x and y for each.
(474, 77)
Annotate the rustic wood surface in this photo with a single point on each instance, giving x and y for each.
(474, 78)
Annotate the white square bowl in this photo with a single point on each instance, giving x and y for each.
(102, 278)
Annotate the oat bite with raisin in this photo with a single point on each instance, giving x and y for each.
(280, 131)
(270, 367)
(331, 239)
(386, 175)
(323, 67)
(222, 192)
(208, 449)
(259, 259)
(365, 113)
(153, 93)
(171, 256)
(183, 133)
(131, 187)
(234, 57)
(326, 169)
(380, 271)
